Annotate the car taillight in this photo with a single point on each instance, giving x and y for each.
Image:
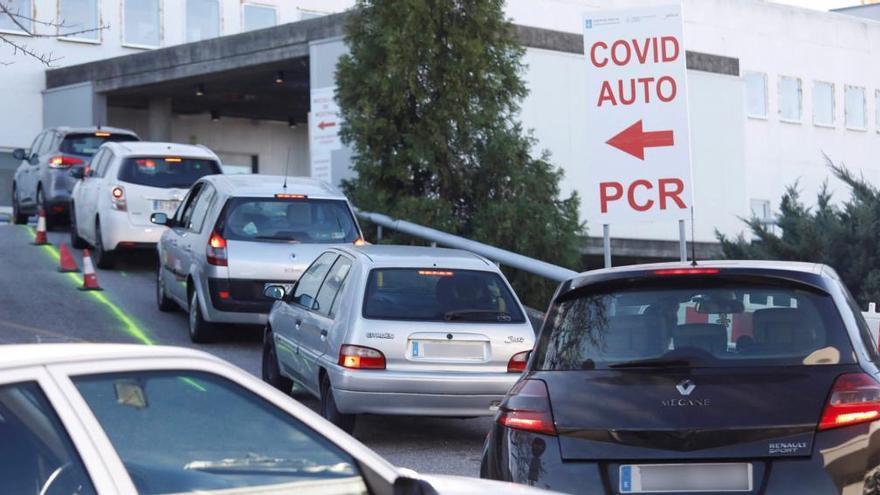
(62, 161)
(527, 408)
(687, 271)
(518, 361)
(117, 198)
(855, 398)
(361, 358)
(217, 250)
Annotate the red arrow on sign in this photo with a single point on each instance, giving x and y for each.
(634, 140)
(323, 125)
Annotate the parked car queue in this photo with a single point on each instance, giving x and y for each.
(733, 377)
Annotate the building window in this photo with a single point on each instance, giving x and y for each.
(23, 12)
(79, 19)
(257, 17)
(823, 104)
(790, 99)
(877, 109)
(141, 23)
(306, 14)
(854, 106)
(202, 19)
(756, 94)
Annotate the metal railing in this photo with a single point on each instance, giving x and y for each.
(497, 255)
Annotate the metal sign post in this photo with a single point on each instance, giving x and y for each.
(682, 242)
(606, 244)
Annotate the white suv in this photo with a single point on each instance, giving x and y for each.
(127, 182)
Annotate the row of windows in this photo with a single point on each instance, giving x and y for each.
(790, 102)
(140, 19)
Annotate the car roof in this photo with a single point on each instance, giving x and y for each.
(267, 186)
(19, 355)
(152, 148)
(74, 130)
(418, 256)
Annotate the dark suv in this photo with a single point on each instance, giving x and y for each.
(43, 179)
(734, 377)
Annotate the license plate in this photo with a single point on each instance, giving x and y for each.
(165, 205)
(439, 349)
(684, 478)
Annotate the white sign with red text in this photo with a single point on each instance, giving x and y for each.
(637, 130)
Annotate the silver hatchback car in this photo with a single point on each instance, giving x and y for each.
(235, 234)
(398, 330)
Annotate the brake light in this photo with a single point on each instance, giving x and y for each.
(216, 252)
(102, 134)
(360, 241)
(63, 161)
(518, 361)
(291, 196)
(527, 408)
(854, 399)
(687, 271)
(361, 358)
(117, 198)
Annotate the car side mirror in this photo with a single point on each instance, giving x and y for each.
(276, 292)
(77, 173)
(19, 154)
(404, 485)
(159, 219)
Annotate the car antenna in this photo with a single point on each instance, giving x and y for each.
(693, 240)
(286, 169)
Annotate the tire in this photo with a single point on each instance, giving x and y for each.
(329, 411)
(41, 204)
(164, 304)
(75, 240)
(103, 259)
(18, 217)
(271, 370)
(200, 331)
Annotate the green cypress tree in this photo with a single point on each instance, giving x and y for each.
(429, 93)
(844, 236)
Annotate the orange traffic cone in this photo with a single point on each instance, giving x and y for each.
(40, 239)
(90, 278)
(66, 261)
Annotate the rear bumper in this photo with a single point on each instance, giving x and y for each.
(118, 232)
(419, 393)
(241, 296)
(842, 462)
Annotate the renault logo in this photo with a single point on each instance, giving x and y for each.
(686, 387)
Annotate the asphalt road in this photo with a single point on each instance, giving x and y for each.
(38, 304)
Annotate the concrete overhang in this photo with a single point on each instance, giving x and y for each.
(238, 71)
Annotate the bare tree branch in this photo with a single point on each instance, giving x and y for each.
(46, 58)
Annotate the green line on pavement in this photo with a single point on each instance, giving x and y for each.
(128, 324)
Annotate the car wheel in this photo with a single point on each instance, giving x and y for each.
(75, 240)
(200, 331)
(329, 410)
(41, 205)
(162, 301)
(102, 258)
(271, 369)
(17, 216)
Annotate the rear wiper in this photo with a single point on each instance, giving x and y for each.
(463, 313)
(653, 363)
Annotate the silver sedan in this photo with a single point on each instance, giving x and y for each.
(398, 330)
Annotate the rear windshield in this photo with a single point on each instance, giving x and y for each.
(166, 171)
(305, 220)
(88, 144)
(439, 295)
(701, 325)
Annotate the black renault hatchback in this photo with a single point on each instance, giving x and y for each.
(727, 377)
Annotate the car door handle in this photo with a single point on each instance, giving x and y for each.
(187, 248)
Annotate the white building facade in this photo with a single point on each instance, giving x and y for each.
(806, 83)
